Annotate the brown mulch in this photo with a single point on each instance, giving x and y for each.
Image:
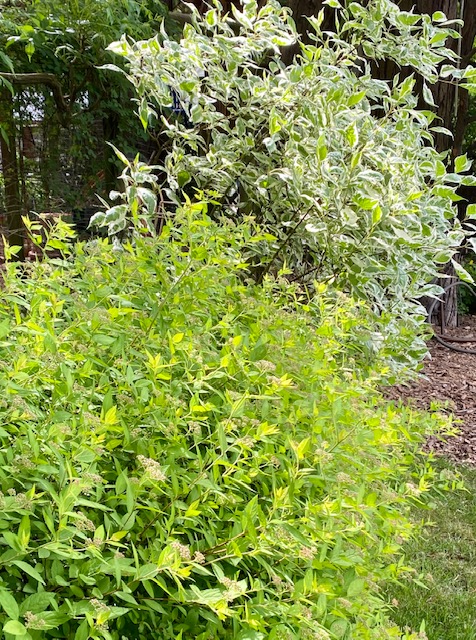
(449, 378)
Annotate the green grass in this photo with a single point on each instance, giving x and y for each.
(445, 556)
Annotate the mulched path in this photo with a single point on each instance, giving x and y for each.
(449, 378)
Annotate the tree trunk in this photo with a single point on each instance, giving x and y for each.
(467, 50)
(447, 310)
(13, 204)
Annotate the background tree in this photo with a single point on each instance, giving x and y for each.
(53, 53)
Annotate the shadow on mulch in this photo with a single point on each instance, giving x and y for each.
(449, 379)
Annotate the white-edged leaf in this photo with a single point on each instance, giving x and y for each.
(427, 95)
(462, 164)
(462, 273)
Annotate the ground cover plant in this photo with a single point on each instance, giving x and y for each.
(443, 557)
(178, 448)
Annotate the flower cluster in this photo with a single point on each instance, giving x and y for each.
(265, 365)
(307, 553)
(84, 524)
(153, 468)
(343, 478)
(33, 621)
(23, 462)
(20, 500)
(98, 605)
(182, 549)
(88, 482)
(233, 589)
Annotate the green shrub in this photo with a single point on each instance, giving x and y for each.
(185, 455)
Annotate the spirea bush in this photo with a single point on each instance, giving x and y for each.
(337, 165)
(185, 455)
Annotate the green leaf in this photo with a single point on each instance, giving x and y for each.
(127, 597)
(321, 148)
(144, 114)
(82, 632)
(462, 164)
(37, 602)
(250, 634)
(406, 87)
(15, 628)
(355, 587)
(439, 16)
(118, 212)
(27, 568)
(7, 61)
(52, 619)
(274, 123)
(9, 604)
(376, 215)
(211, 17)
(183, 178)
(365, 202)
(356, 98)
(24, 531)
(12, 540)
(30, 49)
(120, 155)
(146, 572)
(352, 134)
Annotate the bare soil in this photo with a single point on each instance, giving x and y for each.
(449, 377)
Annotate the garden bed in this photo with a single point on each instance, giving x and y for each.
(449, 382)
